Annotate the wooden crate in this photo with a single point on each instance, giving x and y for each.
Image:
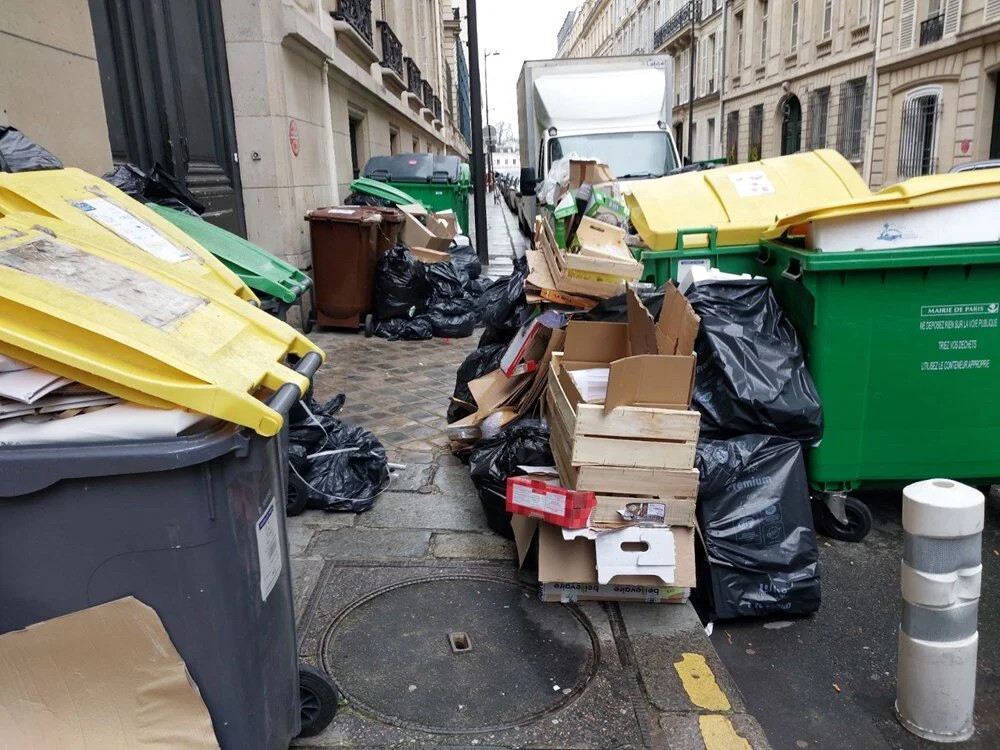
(575, 274)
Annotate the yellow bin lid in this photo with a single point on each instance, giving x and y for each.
(80, 198)
(79, 311)
(919, 192)
(739, 201)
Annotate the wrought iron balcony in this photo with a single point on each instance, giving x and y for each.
(392, 49)
(678, 22)
(412, 76)
(436, 106)
(357, 13)
(426, 93)
(932, 29)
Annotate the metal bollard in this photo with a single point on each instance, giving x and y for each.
(938, 636)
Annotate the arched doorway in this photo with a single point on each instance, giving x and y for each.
(791, 125)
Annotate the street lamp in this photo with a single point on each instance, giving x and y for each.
(486, 91)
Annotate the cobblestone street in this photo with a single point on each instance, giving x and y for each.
(428, 528)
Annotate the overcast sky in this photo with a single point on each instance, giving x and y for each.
(521, 30)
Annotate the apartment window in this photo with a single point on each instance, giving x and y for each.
(416, 146)
(733, 137)
(738, 23)
(712, 77)
(356, 132)
(852, 100)
(393, 141)
(762, 9)
(864, 10)
(794, 34)
(756, 132)
(918, 135)
(827, 18)
(932, 29)
(710, 150)
(819, 113)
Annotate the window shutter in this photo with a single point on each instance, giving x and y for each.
(907, 23)
(952, 17)
(703, 67)
(992, 12)
(718, 66)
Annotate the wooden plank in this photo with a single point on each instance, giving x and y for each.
(677, 512)
(679, 483)
(563, 282)
(638, 422)
(644, 453)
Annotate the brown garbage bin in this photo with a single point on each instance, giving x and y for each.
(347, 242)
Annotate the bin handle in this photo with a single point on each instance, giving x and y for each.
(439, 176)
(289, 393)
(794, 270)
(711, 232)
(764, 256)
(382, 175)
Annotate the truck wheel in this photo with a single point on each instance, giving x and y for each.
(317, 700)
(857, 526)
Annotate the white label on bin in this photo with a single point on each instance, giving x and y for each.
(132, 229)
(749, 184)
(268, 550)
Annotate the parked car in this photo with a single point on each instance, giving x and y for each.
(973, 166)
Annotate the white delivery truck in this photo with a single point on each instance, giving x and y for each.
(616, 109)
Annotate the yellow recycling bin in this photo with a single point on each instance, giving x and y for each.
(715, 218)
(80, 198)
(83, 312)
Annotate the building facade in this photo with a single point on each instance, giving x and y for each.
(265, 109)
(899, 87)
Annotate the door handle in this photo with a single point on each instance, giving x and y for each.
(185, 151)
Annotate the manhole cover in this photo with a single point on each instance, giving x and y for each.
(459, 655)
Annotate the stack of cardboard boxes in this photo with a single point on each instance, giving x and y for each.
(631, 443)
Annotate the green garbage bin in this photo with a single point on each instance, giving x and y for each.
(377, 189)
(903, 346)
(278, 283)
(438, 182)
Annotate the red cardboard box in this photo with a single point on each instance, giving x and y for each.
(557, 505)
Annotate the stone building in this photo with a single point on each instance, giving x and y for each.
(264, 109)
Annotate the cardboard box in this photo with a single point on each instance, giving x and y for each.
(521, 354)
(106, 677)
(596, 239)
(544, 500)
(588, 171)
(416, 233)
(448, 223)
(575, 561)
(426, 255)
(568, 593)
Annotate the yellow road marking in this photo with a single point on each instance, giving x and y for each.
(700, 684)
(718, 733)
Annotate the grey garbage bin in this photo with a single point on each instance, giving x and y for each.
(192, 526)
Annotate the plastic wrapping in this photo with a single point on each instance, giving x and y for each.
(401, 288)
(751, 376)
(308, 421)
(466, 259)
(348, 471)
(479, 362)
(494, 459)
(155, 186)
(419, 328)
(755, 516)
(18, 153)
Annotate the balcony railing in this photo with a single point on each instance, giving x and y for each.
(426, 93)
(392, 49)
(932, 29)
(677, 23)
(412, 76)
(436, 106)
(357, 13)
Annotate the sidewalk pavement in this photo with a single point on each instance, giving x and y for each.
(379, 594)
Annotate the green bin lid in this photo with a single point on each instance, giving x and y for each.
(382, 190)
(259, 269)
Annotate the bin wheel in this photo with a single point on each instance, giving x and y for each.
(369, 325)
(317, 700)
(857, 526)
(296, 503)
(309, 322)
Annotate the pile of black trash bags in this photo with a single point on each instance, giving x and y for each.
(332, 465)
(415, 300)
(758, 408)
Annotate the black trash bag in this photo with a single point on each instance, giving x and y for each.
(419, 328)
(466, 259)
(493, 335)
(522, 443)
(364, 199)
(755, 515)
(155, 186)
(309, 422)
(298, 466)
(445, 280)
(751, 376)
(479, 362)
(453, 318)
(613, 310)
(502, 304)
(18, 153)
(476, 287)
(401, 288)
(348, 471)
